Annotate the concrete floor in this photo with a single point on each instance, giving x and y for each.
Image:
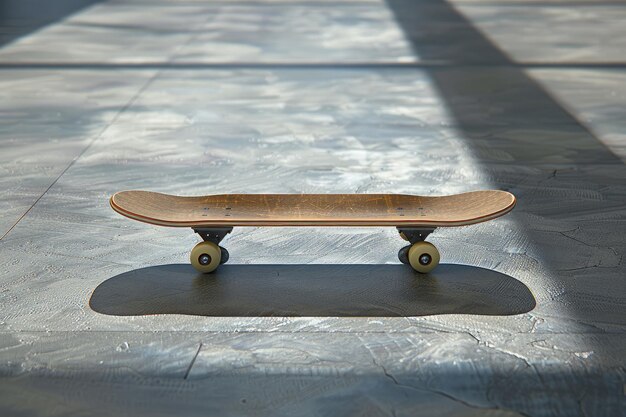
(527, 315)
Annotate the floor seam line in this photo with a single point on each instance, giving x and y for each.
(171, 65)
(193, 360)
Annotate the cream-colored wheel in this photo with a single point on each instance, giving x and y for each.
(205, 257)
(423, 257)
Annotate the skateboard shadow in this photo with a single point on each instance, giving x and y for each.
(311, 291)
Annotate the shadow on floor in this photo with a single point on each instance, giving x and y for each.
(502, 112)
(21, 17)
(530, 144)
(311, 290)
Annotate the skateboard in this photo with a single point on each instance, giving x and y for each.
(214, 216)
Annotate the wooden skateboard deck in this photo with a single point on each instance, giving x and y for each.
(214, 216)
(228, 210)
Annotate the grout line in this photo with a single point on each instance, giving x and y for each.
(368, 3)
(320, 65)
(536, 3)
(193, 360)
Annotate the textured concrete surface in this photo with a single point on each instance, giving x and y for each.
(526, 316)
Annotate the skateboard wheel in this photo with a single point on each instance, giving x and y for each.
(205, 257)
(403, 236)
(225, 255)
(423, 257)
(403, 255)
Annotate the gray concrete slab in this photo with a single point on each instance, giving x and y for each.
(47, 119)
(525, 316)
(347, 32)
(596, 97)
(110, 33)
(544, 32)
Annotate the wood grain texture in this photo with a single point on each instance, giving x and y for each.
(312, 209)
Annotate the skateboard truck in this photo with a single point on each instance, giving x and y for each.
(208, 254)
(414, 234)
(215, 235)
(422, 256)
